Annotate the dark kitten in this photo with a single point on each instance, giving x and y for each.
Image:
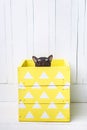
(42, 61)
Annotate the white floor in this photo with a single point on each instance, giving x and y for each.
(8, 119)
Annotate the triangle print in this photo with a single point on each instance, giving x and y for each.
(36, 85)
(60, 116)
(28, 76)
(29, 115)
(60, 96)
(36, 105)
(52, 106)
(44, 95)
(21, 86)
(28, 95)
(66, 106)
(44, 115)
(43, 76)
(67, 85)
(52, 86)
(21, 105)
(60, 75)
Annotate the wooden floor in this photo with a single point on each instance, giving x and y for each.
(8, 119)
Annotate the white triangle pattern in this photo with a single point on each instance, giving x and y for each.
(29, 115)
(21, 86)
(52, 86)
(52, 106)
(28, 76)
(44, 115)
(36, 105)
(21, 105)
(43, 76)
(59, 96)
(60, 75)
(66, 106)
(28, 95)
(60, 115)
(67, 85)
(36, 85)
(44, 95)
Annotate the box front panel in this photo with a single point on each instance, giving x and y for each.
(44, 94)
(44, 112)
(44, 75)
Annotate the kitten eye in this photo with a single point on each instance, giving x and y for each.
(39, 59)
(46, 59)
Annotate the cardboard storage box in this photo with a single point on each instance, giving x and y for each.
(44, 92)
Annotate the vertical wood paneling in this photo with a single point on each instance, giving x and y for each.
(51, 26)
(41, 27)
(30, 27)
(63, 28)
(74, 39)
(3, 70)
(85, 46)
(81, 43)
(19, 33)
(9, 46)
(65, 48)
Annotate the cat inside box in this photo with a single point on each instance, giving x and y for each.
(42, 61)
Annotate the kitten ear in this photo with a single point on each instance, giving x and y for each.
(50, 58)
(35, 59)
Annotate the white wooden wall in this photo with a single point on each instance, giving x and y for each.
(41, 28)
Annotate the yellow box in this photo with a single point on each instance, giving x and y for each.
(44, 87)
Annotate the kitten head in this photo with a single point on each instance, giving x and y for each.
(42, 61)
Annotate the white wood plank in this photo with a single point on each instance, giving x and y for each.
(51, 27)
(3, 61)
(64, 46)
(81, 43)
(30, 28)
(79, 93)
(19, 34)
(74, 39)
(63, 29)
(9, 36)
(41, 27)
(85, 44)
(10, 93)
